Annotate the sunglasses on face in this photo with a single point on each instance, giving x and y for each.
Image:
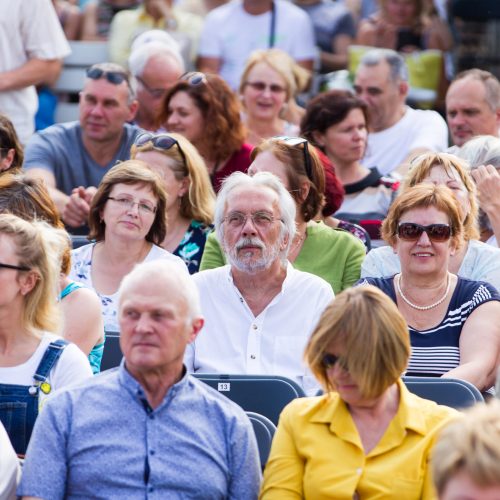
(194, 78)
(114, 77)
(328, 361)
(162, 142)
(297, 141)
(262, 86)
(409, 231)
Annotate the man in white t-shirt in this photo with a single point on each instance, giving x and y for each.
(398, 133)
(259, 311)
(32, 45)
(234, 30)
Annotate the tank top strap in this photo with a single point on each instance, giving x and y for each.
(71, 287)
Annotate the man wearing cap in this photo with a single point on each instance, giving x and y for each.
(73, 157)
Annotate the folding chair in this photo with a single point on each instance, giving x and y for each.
(264, 394)
(452, 392)
(264, 431)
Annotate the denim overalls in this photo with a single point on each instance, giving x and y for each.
(19, 403)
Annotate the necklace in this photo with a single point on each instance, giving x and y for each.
(423, 308)
(299, 238)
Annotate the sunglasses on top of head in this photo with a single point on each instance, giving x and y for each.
(297, 141)
(162, 142)
(194, 78)
(410, 231)
(114, 77)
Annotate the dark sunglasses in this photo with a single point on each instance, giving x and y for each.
(328, 361)
(163, 142)
(410, 231)
(17, 268)
(297, 141)
(261, 86)
(194, 78)
(114, 77)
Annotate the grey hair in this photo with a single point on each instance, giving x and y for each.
(169, 272)
(140, 56)
(490, 82)
(260, 179)
(481, 150)
(398, 70)
(114, 67)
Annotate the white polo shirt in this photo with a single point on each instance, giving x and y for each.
(234, 341)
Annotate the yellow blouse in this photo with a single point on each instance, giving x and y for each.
(317, 452)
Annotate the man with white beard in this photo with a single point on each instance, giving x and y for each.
(259, 311)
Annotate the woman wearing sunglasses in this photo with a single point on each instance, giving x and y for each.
(453, 322)
(368, 436)
(127, 222)
(334, 255)
(269, 83)
(206, 112)
(190, 197)
(473, 259)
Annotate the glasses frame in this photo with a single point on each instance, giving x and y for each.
(114, 77)
(260, 86)
(252, 216)
(131, 203)
(156, 141)
(297, 141)
(12, 266)
(427, 229)
(156, 93)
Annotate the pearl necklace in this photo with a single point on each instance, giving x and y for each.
(423, 308)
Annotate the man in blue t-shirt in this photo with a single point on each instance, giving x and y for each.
(73, 157)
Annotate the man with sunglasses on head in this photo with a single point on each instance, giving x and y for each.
(259, 310)
(73, 157)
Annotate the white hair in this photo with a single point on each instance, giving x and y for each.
(171, 274)
(260, 179)
(144, 52)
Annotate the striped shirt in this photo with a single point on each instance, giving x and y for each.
(435, 351)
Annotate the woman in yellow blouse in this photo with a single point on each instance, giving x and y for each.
(368, 436)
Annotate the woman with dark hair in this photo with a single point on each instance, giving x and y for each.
(29, 199)
(205, 111)
(333, 255)
(11, 151)
(127, 221)
(336, 122)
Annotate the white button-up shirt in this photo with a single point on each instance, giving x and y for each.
(234, 341)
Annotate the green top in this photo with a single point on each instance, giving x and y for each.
(332, 254)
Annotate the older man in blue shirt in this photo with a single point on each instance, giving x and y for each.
(145, 429)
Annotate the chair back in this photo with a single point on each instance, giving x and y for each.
(264, 394)
(112, 355)
(458, 394)
(264, 431)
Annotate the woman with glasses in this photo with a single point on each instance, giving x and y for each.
(367, 436)
(206, 112)
(128, 224)
(453, 322)
(473, 259)
(190, 197)
(29, 199)
(11, 151)
(334, 255)
(268, 86)
(34, 360)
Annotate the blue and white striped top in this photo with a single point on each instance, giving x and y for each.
(435, 351)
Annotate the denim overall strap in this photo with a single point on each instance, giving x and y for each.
(19, 403)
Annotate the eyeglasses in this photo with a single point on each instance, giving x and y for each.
(261, 220)
(194, 78)
(114, 77)
(12, 266)
(409, 231)
(261, 86)
(162, 142)
(156, 93)
(328, 361)
(297, 141)
(129, 203)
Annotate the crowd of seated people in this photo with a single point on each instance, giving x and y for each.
(234, 225)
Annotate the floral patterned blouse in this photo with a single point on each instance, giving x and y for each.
(191, 247)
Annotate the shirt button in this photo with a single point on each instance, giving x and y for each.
(359, 470)
(252, 356)
(255, 327)
(151, 417)
(152, 452)
(151, 489)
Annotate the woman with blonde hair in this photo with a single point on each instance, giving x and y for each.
(368, 436)
(190, 197)
(34, 360)
(268, 86)
(472, 259)
(452, 321)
